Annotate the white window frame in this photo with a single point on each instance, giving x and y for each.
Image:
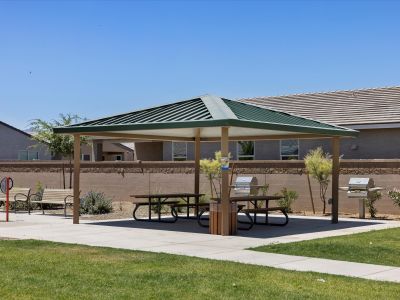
(28, 156)
(253, 157)
(118, 155)
(186, 152)
(295, 156)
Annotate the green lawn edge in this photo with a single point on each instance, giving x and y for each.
(33, 269)
(380, 247)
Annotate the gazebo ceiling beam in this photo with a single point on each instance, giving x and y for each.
(131, 136)
(138, 136)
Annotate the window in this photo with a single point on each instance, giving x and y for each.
(118, 157)
(245, 150)
(179, 151)
(289, 149)
(28, 155)
(85, 157)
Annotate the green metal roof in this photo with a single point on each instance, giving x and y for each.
(207, 111)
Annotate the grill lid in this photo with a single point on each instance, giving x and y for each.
(360, 183)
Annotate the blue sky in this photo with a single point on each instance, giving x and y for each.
(101, 58)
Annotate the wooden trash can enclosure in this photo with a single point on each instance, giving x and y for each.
(215, 218)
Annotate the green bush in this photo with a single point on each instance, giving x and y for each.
(95, 203)
(395, 196)
(288, 199)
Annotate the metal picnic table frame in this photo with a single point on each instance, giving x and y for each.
(163, 199)
(255, 200)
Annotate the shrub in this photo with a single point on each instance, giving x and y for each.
(319, 166)
(95, 203)
(288, 199)
(395, 196)
(370, 203)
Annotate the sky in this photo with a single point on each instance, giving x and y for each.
(99, 58)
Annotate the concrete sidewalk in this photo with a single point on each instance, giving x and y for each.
(185, 237)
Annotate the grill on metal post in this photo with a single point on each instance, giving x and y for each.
(360, 188)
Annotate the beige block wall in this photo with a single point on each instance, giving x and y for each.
(120, 187)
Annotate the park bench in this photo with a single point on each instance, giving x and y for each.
(16, 195)
(60, 197)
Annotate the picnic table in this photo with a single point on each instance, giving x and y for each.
(164, 199)
(257, 209)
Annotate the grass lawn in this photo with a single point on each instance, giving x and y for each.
(43, 270)
(380, 247)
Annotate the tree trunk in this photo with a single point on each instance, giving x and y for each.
(63, 174)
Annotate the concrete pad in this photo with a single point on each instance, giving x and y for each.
(335, 267)
(388, 275)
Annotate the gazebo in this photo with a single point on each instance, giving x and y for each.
(204, 119)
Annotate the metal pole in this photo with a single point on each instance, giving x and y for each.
(7, 196)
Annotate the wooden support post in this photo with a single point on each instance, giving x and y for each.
(197, 167)
(225, 204)
(77, 170)
(335, 179)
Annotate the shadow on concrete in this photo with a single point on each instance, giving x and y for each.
(296, 225)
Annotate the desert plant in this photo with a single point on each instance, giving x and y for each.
(95, 203)
(289, 197)
(264, 189)
(319, 166)
(395, 196)
(370, 203)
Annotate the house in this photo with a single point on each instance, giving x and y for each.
(374, 112)
(108, 150)
(16, 144)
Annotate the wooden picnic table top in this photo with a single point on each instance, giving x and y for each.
(171, 195)
(251, 198)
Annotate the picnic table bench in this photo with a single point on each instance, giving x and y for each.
(261, 210)
(256, 209)
(157, 200)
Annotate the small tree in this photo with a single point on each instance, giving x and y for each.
(58, 144)
(212, 169)
(319, 166)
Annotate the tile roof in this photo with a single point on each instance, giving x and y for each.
(352, 107)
